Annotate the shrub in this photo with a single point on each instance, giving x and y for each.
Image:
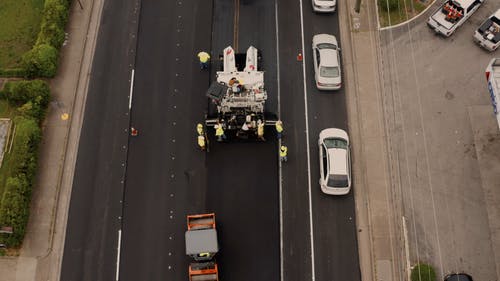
(41, 61)
(15, 204)
(32, 96)
(55, 16)
(423, 272)
(12, 72)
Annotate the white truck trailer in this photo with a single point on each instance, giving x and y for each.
(493, 78)
(488, 33)
(451, 15)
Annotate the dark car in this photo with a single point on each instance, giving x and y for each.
(458, 277)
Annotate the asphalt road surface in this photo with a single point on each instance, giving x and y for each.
(146, 185)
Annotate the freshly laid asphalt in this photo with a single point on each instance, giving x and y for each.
(165, 177)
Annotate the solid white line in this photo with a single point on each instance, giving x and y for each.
(118, 255)
(279, 142)
(131, 89)
(313, 274)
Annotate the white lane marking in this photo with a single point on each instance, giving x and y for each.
(131, 89)
(313, 274)
(279, 142)
(118, 255)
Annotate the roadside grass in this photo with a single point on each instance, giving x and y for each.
(20, 24)
(402, 11)
(6, 111)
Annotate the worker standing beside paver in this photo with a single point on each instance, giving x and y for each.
(201, 142)
(279, 129)
(283, 153)
(260, 130)
(219, 132)
(204, 59)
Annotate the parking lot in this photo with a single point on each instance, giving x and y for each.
(444, 145)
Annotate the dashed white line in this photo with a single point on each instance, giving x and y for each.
(313, 274)
(118, 255)
(131, 89)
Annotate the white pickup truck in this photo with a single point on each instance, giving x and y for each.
(488, 33)
(451, 15)
(493, 78)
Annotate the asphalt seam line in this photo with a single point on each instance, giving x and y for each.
(313, 275)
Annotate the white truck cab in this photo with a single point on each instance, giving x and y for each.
(487, 35)
(451, 15)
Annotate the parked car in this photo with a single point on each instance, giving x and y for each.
(334, 161)
(458, 277)
(487, 35)
(326, 58)
(324, 6)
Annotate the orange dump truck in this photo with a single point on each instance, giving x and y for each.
(202, 245)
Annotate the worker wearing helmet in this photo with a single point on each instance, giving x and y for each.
(260, 130)
(204, 59)
(219, 132)
(201, 142)
(283, 153)
(199, 129)
(279, 129)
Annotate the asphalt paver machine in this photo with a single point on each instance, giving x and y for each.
(202, 245)
(238, 97)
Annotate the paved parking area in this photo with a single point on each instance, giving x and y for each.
(443, 145)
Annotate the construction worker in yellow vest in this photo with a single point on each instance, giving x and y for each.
(204, 59)
(260, 130)
(201, 142)
(283, 153)
(279, 129)
(199, 129)
(219, 132)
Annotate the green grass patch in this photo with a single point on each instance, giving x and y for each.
(20, 24)
(392, 12)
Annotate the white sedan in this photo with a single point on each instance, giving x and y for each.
(326, 58)
(324, 6)
(334, 162)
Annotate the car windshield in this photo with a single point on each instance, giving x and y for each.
(337, 181)
(329, 71)
(326, 46)
(335, 143)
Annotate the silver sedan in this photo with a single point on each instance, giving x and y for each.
(326, 57)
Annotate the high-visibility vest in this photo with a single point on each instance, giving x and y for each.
(201, 141)
(283, 151)
(219, 131)
(260, 129)
(203, 56)
(199, 129)
(279, 127)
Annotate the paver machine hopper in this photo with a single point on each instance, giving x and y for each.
(238, 97)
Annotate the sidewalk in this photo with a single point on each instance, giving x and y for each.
(41, 254)
(380, 242)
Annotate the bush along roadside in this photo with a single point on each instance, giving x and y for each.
(423, 272)
(42, 59)
(31, 99)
